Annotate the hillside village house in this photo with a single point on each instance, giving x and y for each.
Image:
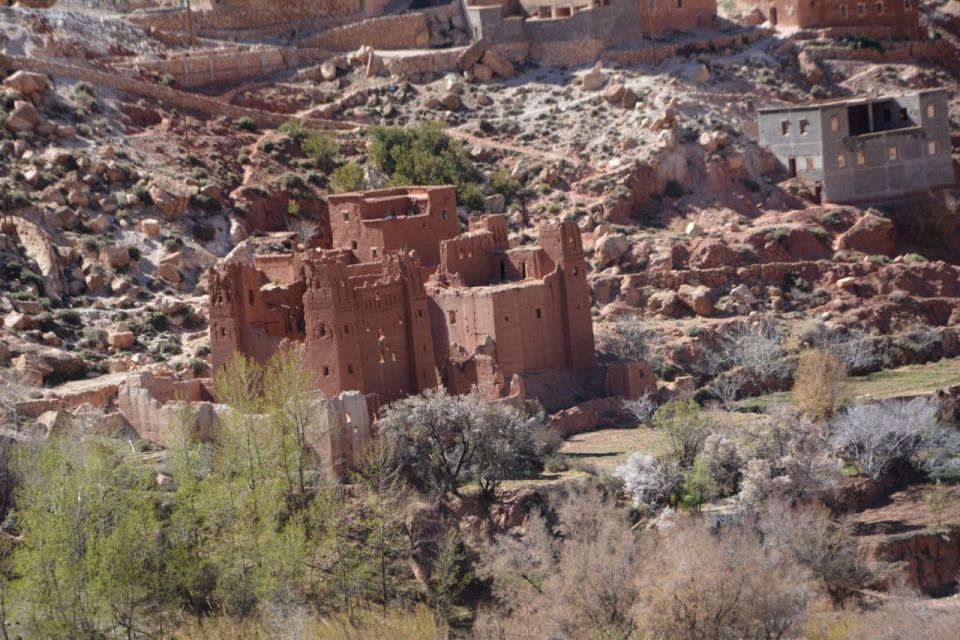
(856, 150)
(877, 17)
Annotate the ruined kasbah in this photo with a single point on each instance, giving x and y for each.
(402, 300)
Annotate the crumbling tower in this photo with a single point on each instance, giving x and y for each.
(562, 242)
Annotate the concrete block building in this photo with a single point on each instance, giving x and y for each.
(402, 301)
(856, 150)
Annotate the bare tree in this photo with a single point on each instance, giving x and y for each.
(578, 579)
(757, 348)
(642, 409)
(725, 585)
(787, 456)
(819, 543)
(878, 435)
(305, 229)
(627, 339)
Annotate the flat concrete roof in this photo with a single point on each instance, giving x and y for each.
(852, 101)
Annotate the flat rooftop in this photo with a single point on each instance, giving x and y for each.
(850, 102)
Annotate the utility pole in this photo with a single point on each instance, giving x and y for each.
(190, 22)
(653, 36)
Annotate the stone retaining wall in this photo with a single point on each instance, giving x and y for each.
(207, 67)
(408, 31)
(935, 50)
(668, 49)
(179, 99)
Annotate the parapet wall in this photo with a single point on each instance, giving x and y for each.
(407, 31)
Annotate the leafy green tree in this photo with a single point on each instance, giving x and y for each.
(698, 485)
(322, 148)
(386, 496)
(424, 155)
(686, 428)
(91, 562)
(347, 177)
(292, 407)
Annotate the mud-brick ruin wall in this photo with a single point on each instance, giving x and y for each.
(509, 315)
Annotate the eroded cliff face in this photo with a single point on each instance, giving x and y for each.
(929, 560)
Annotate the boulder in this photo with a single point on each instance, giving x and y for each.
(170, 197)
(742, 294)
(115, 257)
(375, 66)
(23, 117)
(593, 79)
(664, 302)
(27, 82)
(629, 99)
(612, 247)
(712, 253)
(482, 72)
(870, 234)
(169, 272)
(328, 70)
(78, 198)
(57, 360)
(697, 298)
(150, 226)
(500, 65)
(121, 339)
(18, 321)
(663, 120)
(809, 67)
(450, 102)
(696, 72)
(495, 203)
(708, 142)
(614, 93)
(472, 55)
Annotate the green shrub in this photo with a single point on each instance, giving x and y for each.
(291, 182)
(322, 148)
(246, 123)
(133, 252)
(203, 232)
(778, 234)
(157, 320)
(674, 190)
(424, 155)
(69, 317)
(92, 336)
(502, 182)
(293, 128)
(348, 177)
(197, 366)
(142, 194)
(84, 88)
(167, 80)
(832, 219)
